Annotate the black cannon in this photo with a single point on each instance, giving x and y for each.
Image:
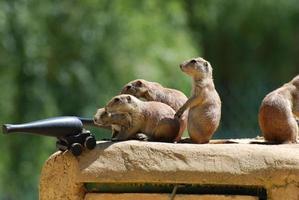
(68, 130)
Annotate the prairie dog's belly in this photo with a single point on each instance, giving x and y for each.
(209, 113)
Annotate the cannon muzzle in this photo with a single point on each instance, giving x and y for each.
(55, 127)
(87, 121)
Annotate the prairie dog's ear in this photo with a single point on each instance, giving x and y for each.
(129, 99)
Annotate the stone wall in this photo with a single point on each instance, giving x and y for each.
(272, 167)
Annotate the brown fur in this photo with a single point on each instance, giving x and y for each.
(204, 104)
(152, 91)
(116, 122)
(278, 113)
(154, 119)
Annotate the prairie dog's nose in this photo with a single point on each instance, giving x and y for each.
(129, 87)
(181, 66)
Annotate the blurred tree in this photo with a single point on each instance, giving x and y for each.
(69, 58)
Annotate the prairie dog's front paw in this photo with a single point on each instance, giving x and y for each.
(142, 137)
(114, 139)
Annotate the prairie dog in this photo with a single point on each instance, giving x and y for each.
(279, 113)
(117, 122)
(154, 119)
(152, 91)
(204, 104)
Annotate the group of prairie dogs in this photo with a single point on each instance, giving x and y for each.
(148, 111)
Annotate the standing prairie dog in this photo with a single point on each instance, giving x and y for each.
(153, 119)
(152, 91)
(279, 113)
(204, 104)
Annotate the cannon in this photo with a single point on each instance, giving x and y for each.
(69, 131)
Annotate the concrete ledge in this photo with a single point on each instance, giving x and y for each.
(274, 167)
(163, 197)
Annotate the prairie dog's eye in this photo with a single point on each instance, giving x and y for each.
(138, 83)
(193, 61)
(206, 64)
(103, 114)
(116, 100)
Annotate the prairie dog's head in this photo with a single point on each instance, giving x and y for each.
(295, 81)
(122, 103)
(102, 117)
(197, 68)
(137, 88)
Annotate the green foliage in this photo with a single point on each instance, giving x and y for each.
(70, 57)
(252, 46)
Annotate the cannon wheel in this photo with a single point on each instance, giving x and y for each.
(76, 149)
(90, 142)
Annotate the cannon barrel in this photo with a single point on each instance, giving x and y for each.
(68, 130)
(54, 127)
